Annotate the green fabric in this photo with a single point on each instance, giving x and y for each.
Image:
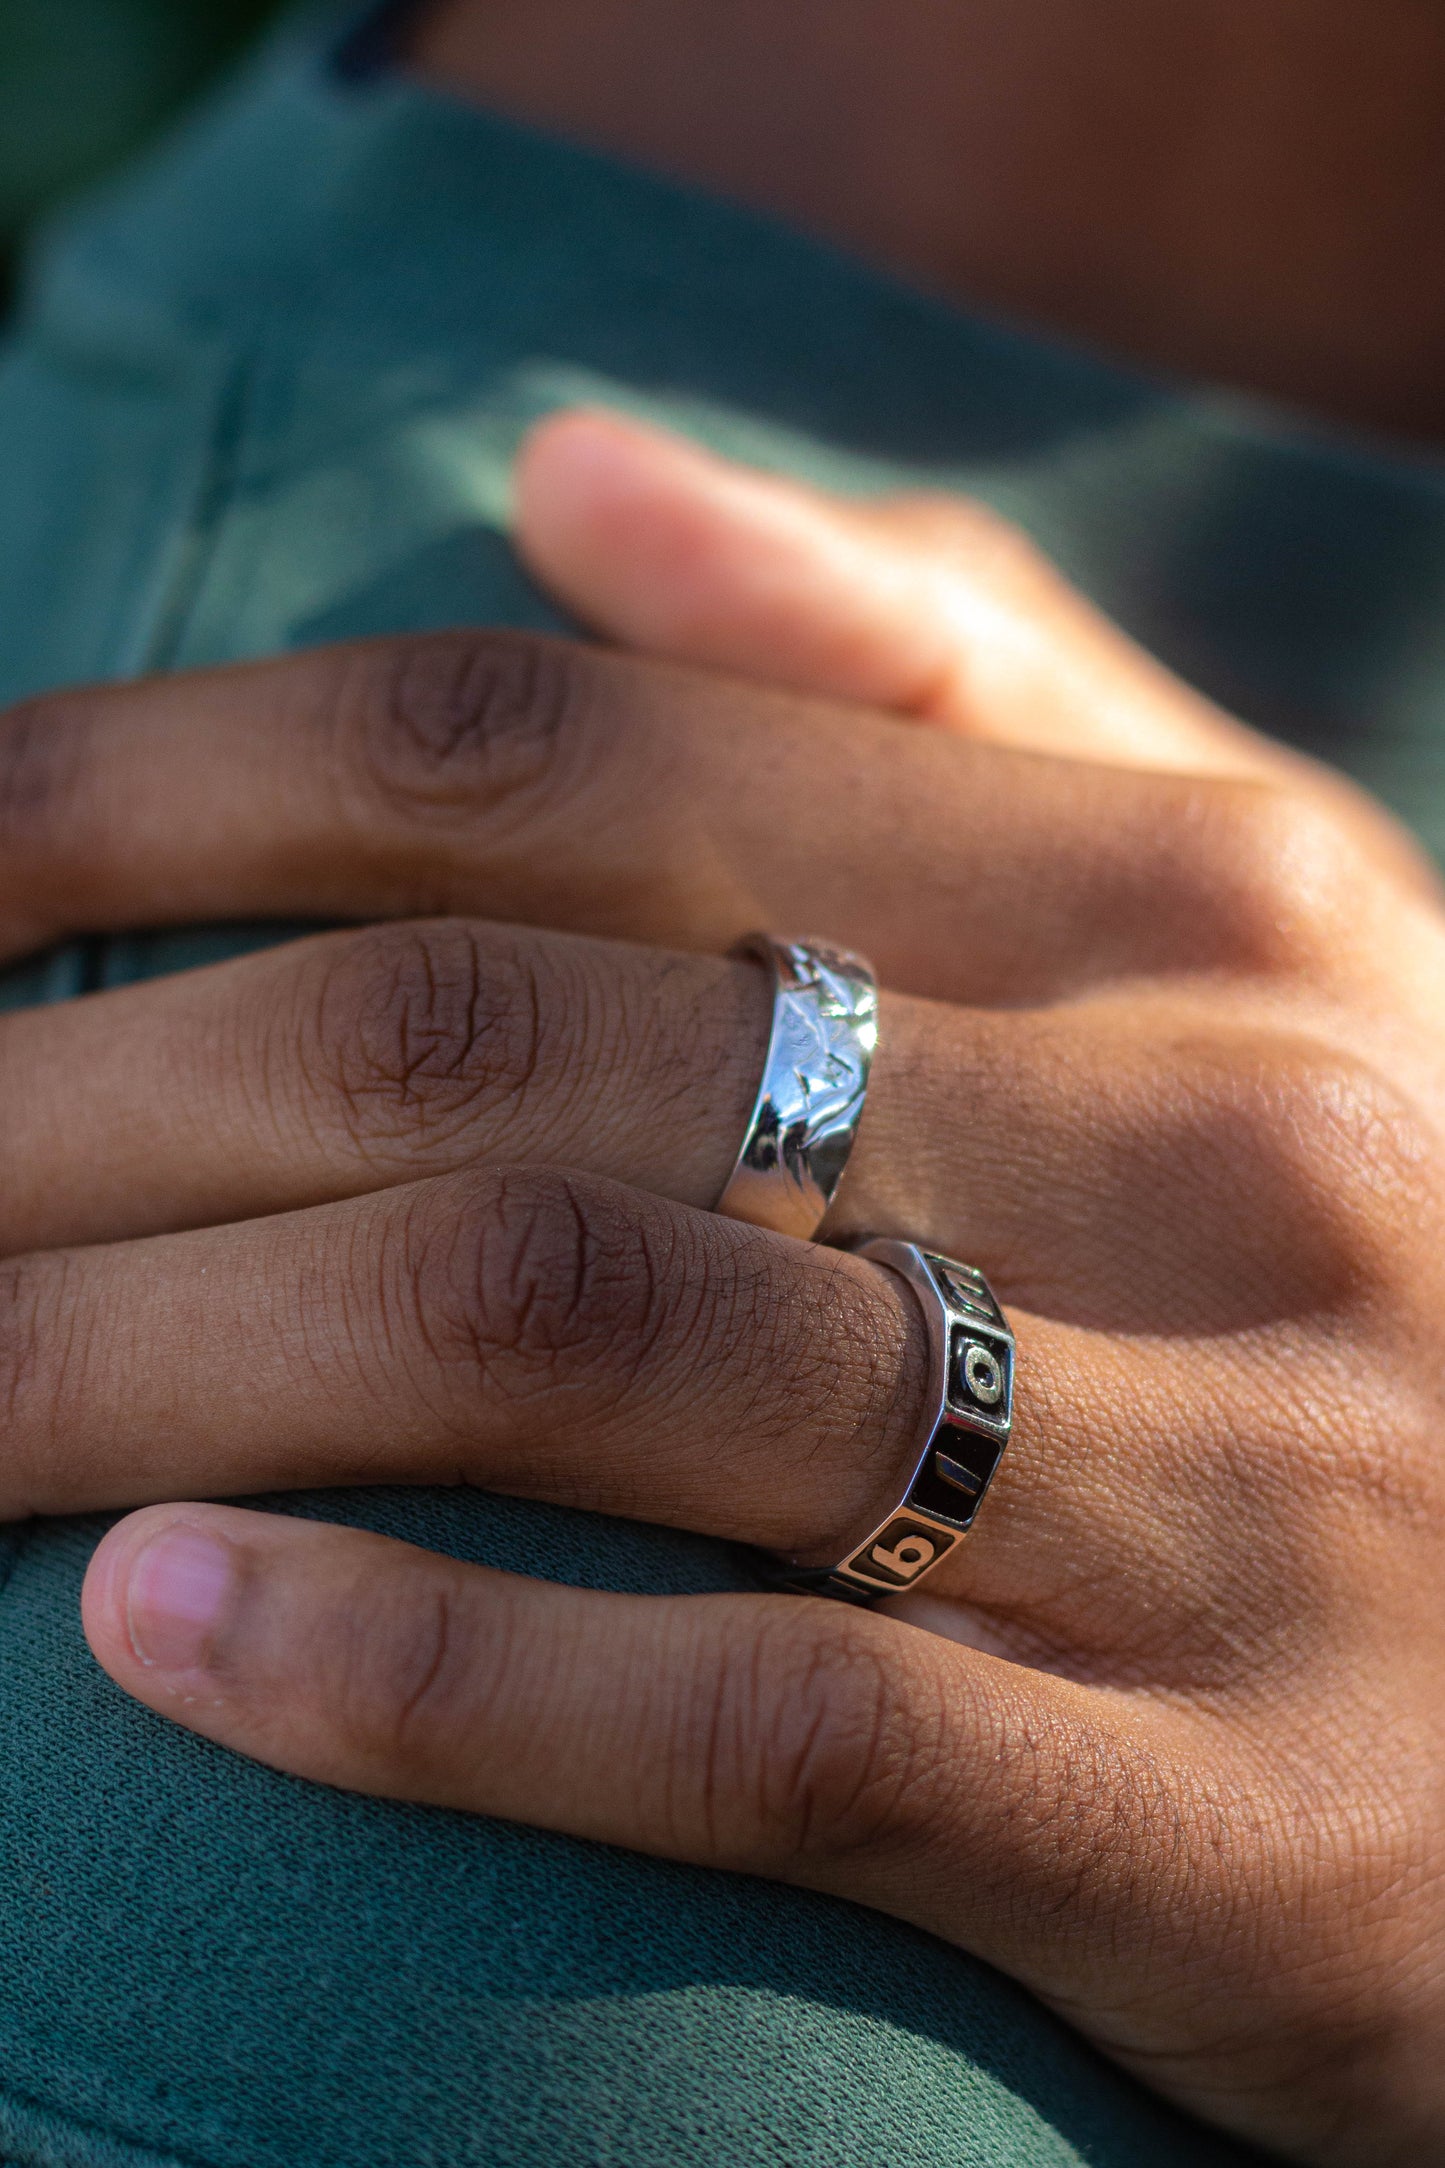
(82, 81)
(268, 397)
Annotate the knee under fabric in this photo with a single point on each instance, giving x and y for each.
(267, 396)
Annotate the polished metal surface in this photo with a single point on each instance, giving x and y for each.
(970, 1403)
(815, 1079)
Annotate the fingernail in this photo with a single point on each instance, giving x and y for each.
(177, 1596)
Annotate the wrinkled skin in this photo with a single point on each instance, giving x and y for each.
(1163, 1050)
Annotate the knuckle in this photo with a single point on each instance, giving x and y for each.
(418, 1032)
(525, 1281)
(1351, 1153)
(464, 723)
(1278, 879)
(1312, 1187)
(816, 1730)
(394, 1666)
(42, 756)
(1330, 1210)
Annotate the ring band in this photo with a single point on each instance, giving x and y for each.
(971, 1356)
(815, 1079)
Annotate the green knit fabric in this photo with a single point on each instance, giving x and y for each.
(267, 396)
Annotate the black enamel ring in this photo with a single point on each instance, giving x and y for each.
(971, 1353)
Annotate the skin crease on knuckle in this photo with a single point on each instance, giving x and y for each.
(470, 759)
(533, 1306)
(1342, 1899)
(456, 724)
(1248, 1880)
(407, 1037)
(393, 1675)
(401, 1676)
(501, 748)
(530, 1308)
(498, 1283)
(832, 1761)
(412, 1041)
(813, 1741)
(830, 1757)
(449, 728)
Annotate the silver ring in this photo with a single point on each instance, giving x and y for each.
(971, 1383)
(815, 1079)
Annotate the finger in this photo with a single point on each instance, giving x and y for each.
(1066, 1145)
(557, 1337)
(933, 607)
(529, 779)
(995, 1805)
(360, 1060)
(545, 1333)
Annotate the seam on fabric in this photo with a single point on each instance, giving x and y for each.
(214, 493)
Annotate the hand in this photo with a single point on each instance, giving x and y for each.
(1162, 1054)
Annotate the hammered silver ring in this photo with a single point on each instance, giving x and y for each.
(814, 1083)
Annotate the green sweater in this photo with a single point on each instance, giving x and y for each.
(267, 395)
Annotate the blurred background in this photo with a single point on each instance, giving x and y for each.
(82, 82)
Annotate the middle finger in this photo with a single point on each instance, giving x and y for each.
(1062, 1147)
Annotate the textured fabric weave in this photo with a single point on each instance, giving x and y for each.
(268, 396)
